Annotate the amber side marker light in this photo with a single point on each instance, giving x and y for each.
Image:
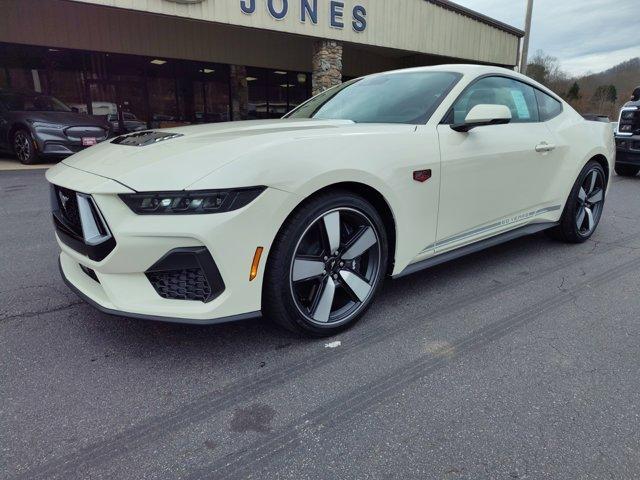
(255, 264)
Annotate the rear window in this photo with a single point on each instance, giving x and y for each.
(548, 106)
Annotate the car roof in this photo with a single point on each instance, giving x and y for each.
(474, 70)
(471, 70)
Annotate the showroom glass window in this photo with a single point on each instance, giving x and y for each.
(272, 93)
(149, 92)
(519, 97)
(26, 102)
(257, 91)
(409, 97)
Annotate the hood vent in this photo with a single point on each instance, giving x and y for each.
(142, 139)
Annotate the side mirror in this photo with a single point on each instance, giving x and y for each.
(75, 109)
(483, 115)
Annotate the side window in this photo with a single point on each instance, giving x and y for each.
(549, 107)
(520, 98)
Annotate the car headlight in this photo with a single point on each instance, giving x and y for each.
(190, 202)
(628, 115)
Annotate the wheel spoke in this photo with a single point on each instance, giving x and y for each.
(589, 218)
(580, 217)
(596, 197)
(364, 242)
(582, 195)
(332, 229)
(322, 308)
(304, 269)
(357, 285)
(592, 181)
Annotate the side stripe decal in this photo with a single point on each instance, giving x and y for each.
(488, 228)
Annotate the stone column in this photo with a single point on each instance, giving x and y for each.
(239, 93)
(326, 64)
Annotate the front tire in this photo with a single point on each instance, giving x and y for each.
(584, 206)
(627, 170)
(23, 147)
(326, 265)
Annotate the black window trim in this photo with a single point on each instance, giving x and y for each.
(446, 118)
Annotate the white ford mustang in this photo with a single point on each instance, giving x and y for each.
(302, 218)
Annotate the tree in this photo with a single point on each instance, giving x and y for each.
(600, 97)
(612, 94)
(546, 69)
(574, 92)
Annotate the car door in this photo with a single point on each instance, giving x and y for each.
(494, 177)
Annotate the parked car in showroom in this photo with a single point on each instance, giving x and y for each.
(628, 138)
(302, 218)
(125, 122)
(33, 125)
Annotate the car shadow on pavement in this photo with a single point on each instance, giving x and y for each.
(148, 338)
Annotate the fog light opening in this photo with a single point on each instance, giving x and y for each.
(255, 264)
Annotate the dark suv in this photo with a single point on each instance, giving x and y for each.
(34, 125)
(628, 138)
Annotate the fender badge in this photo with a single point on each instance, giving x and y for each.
(422, 175)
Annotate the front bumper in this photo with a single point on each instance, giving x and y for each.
(58, 142)
(628, 150)
(105, 306)
(121, 285)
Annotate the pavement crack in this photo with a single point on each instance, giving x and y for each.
(43, 311)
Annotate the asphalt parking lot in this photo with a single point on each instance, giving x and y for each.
(517, 362)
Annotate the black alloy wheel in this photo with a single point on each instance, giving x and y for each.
(326, 266)
(335, 266)
(23, 147)
(590, 202)
(584, 206)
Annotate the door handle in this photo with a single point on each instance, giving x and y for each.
(544, 147)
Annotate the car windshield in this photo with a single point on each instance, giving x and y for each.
(32, 102)
(409, 97)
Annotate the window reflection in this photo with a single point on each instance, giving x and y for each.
(138, 92)
(272, 93)
(257, 87)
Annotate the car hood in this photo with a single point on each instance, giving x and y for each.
(65, 119)
(176, 161)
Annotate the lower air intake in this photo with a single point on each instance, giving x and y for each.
(186, 274)
(187, 284)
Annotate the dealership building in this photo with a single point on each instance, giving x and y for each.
(176, 62)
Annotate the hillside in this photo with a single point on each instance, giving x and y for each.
(602, 93)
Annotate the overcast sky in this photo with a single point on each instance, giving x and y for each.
(586, 35)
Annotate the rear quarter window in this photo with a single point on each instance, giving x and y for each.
(548, 106)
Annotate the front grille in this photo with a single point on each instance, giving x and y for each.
(186, 274)
(68, 205)
(76, 134)
(186, 284)
(79, 223)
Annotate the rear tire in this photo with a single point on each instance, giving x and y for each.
(23, 147)
(584, 206)
(627, 170)
(326, 265)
